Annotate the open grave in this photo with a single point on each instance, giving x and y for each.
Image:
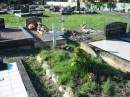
(14, 37)
(14, 81)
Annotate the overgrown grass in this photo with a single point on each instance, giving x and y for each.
(81, 71)
(72, 22)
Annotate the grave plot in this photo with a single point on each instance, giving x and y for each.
(2, 12)
(114, 50)
(14, 81)
(116, 47)
(15, 9)
(14, 37)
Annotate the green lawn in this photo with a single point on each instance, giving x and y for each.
(71, 21)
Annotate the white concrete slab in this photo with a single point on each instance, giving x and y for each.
(12, 85)
(115, 47)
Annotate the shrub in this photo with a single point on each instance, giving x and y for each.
(111, 5)
(107, 87)
(88, 87)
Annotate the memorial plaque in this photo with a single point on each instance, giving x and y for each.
(115, 30)
(32, 21)
(2, 23)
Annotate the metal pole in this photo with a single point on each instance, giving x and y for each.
(62, 23)
(54, 36)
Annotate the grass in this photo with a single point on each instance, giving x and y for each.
(75, 69)
(72, 22)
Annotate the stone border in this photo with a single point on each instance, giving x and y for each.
(107, 57)
(25, 78)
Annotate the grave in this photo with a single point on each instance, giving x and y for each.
(35, 8)
(15, 9)
(14, 37)
(43, 38)
(2, 12)
(3, 65)
(115, 30)
(25, 11)
(15, 81)
(116, 49)
(2, 23)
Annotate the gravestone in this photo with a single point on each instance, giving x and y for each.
(3, 65)
(2, 23)
(16, 7)
(25, 9)
(33, 21)
(115, 30)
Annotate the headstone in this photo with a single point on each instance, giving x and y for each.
(129, 30)
(2, 23)
(16, 7)
(3, 66)
(33, 21)
(25, 9)
(115, 30)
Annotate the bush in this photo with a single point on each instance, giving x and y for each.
(88, 87)
(107, 87)
(111, 5)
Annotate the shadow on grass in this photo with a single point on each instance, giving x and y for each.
(18, 52)
(73, 43)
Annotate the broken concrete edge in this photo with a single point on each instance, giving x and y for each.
(110, 59)
(87, 48)
(25, 78)
(115, 61)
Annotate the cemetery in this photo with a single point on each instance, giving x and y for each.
(77, 53)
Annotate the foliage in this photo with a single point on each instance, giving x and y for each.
(111, 5)
(88, 5)
(99, 5)
(107, 87)
(88, 87)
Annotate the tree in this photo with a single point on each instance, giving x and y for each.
(111, 5)
(99, 5)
